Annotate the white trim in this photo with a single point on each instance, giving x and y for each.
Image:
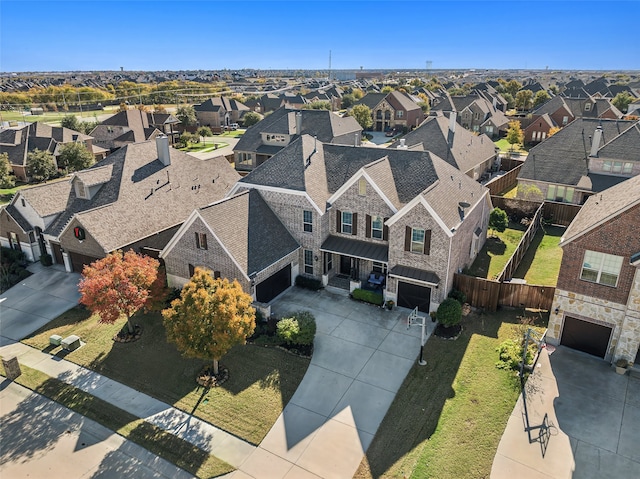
(406, 279)
(362, 173)
(276, 262)
(409, 206)
(274, 189)
(178, 234)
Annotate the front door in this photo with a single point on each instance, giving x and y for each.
(345, 265)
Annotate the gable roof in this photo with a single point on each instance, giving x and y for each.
(461, 149)
(604, 207)
(249, 230)
(140, 197)
(563, 157)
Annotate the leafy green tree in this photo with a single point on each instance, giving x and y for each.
(386, 89)
(318, 105)
(250, 118)
(530, 192)
(187, 115)
(186, 138)
(204, 132)
(509, 98)
(87, 127)
(348, 100)
(524, 99)
(357, 93)
(75, 157)
(71, 122)
(7, 179)
(362, 114)
(515, 135)
(449, 312)
(210, 317)
(512, 87)
(498, 220)
(41, 165)
(540, 98)
(621, 101)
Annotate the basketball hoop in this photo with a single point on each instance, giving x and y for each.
(415, 319)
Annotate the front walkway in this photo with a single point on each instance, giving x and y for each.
(593, 416)
(362, 355)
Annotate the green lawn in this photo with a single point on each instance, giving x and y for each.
(172, 448)
(541, 263)
(53, 117)
(233, 133)
(504, 145)
(7, 193)
(262, 380)
(204, 147)
(448, 417)
(496, 252)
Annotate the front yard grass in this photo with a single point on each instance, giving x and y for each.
(505, 147)
(174, 449)
(203, 147)
(496, 252)
(541, 262)
(261, 382)
(448, 417)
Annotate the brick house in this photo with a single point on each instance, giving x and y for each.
(351, 211)
(136, 198)
(597, 298)
(563, 110)
(538, 129)
(392, 110)
(19, 142)
(123, 128)
(267, 137)
(220, 111)
(583, 158)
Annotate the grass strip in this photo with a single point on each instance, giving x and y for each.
(154, 439)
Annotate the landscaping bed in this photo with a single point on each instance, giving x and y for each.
(261, 380)
(13, 268)
(448, 417)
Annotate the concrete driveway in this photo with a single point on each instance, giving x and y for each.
(40, 438)
(362, 355)
(32, 303)
(593, 416)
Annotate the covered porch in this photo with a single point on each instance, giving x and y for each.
(349, 263)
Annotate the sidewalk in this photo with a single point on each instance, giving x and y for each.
(203, 435)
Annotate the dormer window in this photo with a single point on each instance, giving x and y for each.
(81, 190)
(587, 107)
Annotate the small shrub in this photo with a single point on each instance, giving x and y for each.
(622, 363)
(12, 255)
(367, 296)
(510, 355)
(299, 329)
(46, 259)
(308, 283)
(449, 312)
(458, 296)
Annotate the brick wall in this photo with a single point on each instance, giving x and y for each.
(617, 236)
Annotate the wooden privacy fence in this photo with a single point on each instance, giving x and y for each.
(560, 214)
(489, 294)
(523, 245)
(504, 182)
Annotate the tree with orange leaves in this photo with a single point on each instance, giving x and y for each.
(210, 317)
(118, 285)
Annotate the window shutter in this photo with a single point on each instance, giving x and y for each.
(204, 241)
(197, 240)
(192, 270)
(367, 232)
(427, 241)
(338, 221)
(354, 228)
(407, 238)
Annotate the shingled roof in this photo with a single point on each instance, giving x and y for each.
(249, 230)
(604, 207)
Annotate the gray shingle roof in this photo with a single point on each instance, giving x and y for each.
(47, 199)
(18, 218)
(604, 206)
(562, 158)
(356, 248)
(250, 230)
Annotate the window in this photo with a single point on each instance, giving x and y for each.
(347, 222)
(417, 240)
(362, 187)
(560, 193)
(379, 267)
(601, 268)
(24, 204)
(82, 190)
(617, 166)
(377, 226)
(587, 107)
(627, 167)
(565, 120)
(308, 261)
(201, 241)
(489, 128)
(399, 114)
(245, 158)
(307, 221)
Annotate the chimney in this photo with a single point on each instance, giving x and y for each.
(452, 122)
(299, 123)
(402, 145)
(162, 145)
(595, 142)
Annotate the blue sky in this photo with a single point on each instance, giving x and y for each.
(211, 35)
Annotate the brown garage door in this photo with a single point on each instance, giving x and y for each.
(411, 295)
(79, 260)
(585, 336)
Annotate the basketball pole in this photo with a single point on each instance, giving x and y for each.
(421, 361)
